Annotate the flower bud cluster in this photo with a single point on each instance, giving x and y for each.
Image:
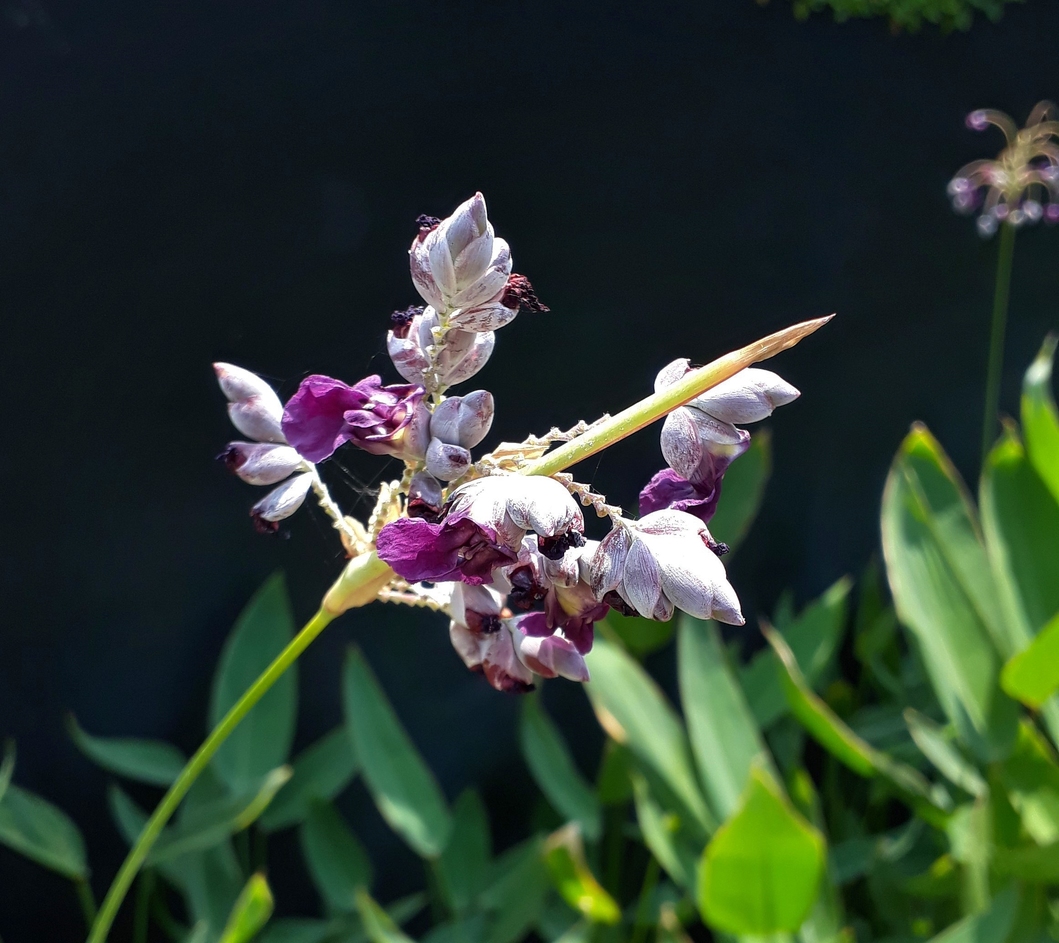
(1021, 185)
(503, 553)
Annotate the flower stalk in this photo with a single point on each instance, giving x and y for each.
(1001, 295)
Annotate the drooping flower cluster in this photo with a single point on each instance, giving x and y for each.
(1022, 184)
(502, 552)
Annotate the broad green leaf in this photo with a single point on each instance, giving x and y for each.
(554, 769)
(337, 861)
(564, 854)
(724, 738)
(378, 924)
(42, 832)
(464, 864)
(814, 636)
(744, 487)
(761, 871)
(516, 892)
(824, 726)
(203, 826)
(210, 881)
(992, 926)
(321, 771)
(7, 767)
(633, 711)
(663, 835)
(947, 759)
(145, 761)
(851, 859)
(613, 785)
(263, 739)
(1032, 863)
(1032, 676)
(468, 930)
(298, 930)
(252, 909)
(944, 590)
(970, 833)
(1040, 418)
(640, 636)
(1030, 776)
(401, 784)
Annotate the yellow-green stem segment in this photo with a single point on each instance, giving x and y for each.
(135, 858)
(365, 575)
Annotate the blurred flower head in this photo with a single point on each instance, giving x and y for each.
(1022, 184)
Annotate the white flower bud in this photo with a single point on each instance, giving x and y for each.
(671, 372)
(749, 396)
(491, 316)
(446, 461)
(479, 352)
(690, 437)
(261, 463)
(463, 420)
(254, 407)
(281, 502)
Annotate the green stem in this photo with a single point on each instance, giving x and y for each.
(138, 853)
(142, 916)
(654, 407)
(1005, 255)
(642, 920)
(87, 901)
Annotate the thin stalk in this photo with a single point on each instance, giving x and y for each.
(85, 898)
(1001, 295)
(142, 916)
(654, 407)
(642, 921)
(138, 853)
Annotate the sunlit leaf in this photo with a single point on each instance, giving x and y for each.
(252, 909)
(1030, 776)
(944, 591)
(1040, 418)
(464, 864)
(1032, 676)
(398, 779)
(564, 855)
(378, 924)
(814, 637)
(724, 737)
(263, 739)
(321, 771)
(42, 832)
(744, 487)
(145, 761)
(554, 769)
(947, 759)
(761, 872)
(633, 711)
(337, 861)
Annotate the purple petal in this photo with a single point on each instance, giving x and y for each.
(314, 418)
(667, 489)
(455, 550)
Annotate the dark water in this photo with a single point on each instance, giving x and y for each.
(181, 183)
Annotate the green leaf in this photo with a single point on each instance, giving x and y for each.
(468, 930)
(1040, 418)
(564, 854)
(613, 785)
(378, 924)
(1032, 676)
(640, 636)
(252, 909)
(464, 864)
(1030, 776)
(663, 835)
(992, 926)
(947, 759)
(944, 591)
(321, 771)
(761, 872)
(824, 726)
(145, 761)
(554, 770)
(724, 738)
(203, 826)
(337, 861)
(210, 882)
(814, 637)
(404, 789)
(516, 892)
(1033, 863)
(633, 710)
(744, 487)
(42, 832)
(298, 930)
(7, 767)
(262, 741)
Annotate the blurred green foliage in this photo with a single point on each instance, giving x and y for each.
(907, 14)
(873, 773)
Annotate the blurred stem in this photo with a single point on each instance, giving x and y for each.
(660, 404)
(242, 850)
(138, 853)
(614, 847)
(164, 918)
(142, 917)
(1001, 295)
(87, 901)
(642, 920)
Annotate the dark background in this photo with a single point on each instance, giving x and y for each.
(181, 183)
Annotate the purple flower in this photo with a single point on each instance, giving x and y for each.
(383, 420)
(483, 527)
(667, 489)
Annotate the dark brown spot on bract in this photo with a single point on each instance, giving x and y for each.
(519, 294)
(554, 547)
(426, 224)
(402, 320)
